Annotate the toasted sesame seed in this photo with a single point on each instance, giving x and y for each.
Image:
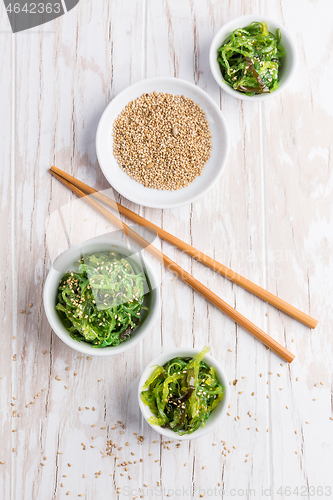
(167, 160)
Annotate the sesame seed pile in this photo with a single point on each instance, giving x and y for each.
(162, 141)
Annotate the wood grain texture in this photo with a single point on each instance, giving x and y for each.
(218, 267)
(7, 279)
(269, 218)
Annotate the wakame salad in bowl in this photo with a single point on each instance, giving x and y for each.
(183, 393)
(101, 297)
(253, 58)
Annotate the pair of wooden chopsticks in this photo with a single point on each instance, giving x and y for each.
(77, 187)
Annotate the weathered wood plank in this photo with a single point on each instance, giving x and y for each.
(7, 265)
(269, 217)
(298, 186)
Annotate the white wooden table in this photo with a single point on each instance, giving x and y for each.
(269, 218)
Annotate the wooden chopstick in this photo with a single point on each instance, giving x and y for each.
(184, 275)
(196, 254)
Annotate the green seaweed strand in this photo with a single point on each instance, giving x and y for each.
(182, 394)
(101, 303)
(250, 59)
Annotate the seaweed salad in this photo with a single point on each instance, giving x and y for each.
(102, 302)
(250, 59)
(182, 393)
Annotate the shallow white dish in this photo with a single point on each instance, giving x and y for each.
(66, 262)
(135, 191)
(288, 62)
(216, 414)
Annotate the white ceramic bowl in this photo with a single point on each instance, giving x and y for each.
(65, 262)
(135, 191)
(288, 61)
(216, 414)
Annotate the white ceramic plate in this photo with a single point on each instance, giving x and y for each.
(216, 414)
(135, 191)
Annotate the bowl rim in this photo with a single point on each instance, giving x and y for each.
(49, 291)
(163, 205)
(246, 19)
(163, 358)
